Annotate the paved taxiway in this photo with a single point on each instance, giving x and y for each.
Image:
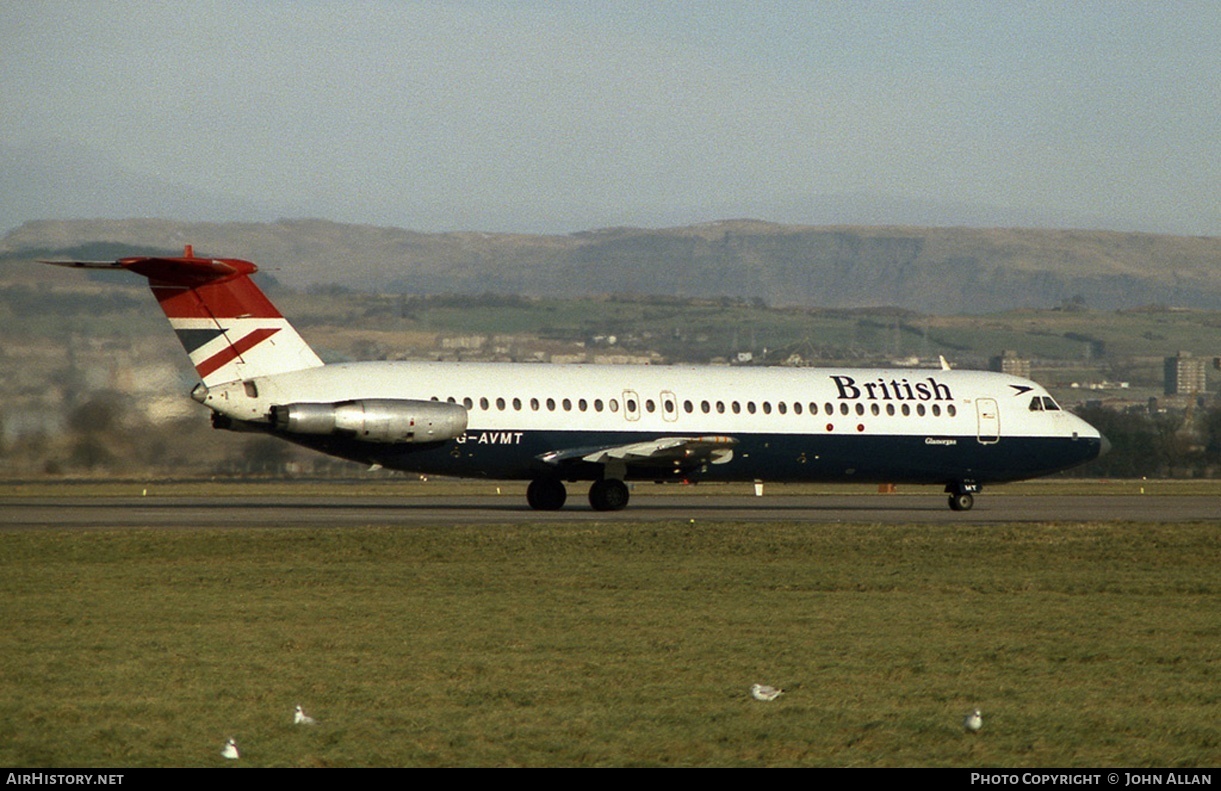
(253, 512)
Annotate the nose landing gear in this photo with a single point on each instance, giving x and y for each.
(961, 502)
(962, 494)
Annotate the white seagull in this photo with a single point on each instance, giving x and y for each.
(973, 721)
(301, 718)
(230, 750)
(764, 692)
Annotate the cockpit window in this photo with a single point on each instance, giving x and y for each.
(1043, 404)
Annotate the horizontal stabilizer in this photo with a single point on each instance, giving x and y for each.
(186, 270)
(86, 264)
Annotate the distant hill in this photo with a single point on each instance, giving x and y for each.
(931, 270)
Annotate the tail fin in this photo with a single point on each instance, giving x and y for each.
(227, 325)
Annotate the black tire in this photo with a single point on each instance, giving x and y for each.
(961, 502)
(546, 494)
(608, 495)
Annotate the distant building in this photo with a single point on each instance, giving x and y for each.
(1185, 374)
(468, 342)
(1008, 362)
(622, 359)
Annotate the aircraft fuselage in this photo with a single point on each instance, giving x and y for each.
(791, 424)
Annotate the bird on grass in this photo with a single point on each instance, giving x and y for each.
(973, 722)
(230, 750)
(764, 692)
(301, 718)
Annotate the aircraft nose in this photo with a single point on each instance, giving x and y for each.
(1104, 445)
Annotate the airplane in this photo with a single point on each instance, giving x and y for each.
(604, 424)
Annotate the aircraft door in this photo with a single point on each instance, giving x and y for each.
(631, 405)
(989, 420)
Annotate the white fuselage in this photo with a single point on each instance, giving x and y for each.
(812, 413)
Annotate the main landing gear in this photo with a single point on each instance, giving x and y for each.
(962, 496)
(608, 494)
(546, 494)
(549, 494)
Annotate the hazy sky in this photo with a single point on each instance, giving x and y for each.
(562, 116)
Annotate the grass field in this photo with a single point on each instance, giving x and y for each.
(590, 644)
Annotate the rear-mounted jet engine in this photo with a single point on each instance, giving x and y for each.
(377, 420)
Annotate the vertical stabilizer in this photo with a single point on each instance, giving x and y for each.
(225, 322)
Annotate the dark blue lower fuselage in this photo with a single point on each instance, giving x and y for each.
(509, 455)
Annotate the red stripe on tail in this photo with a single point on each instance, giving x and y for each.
(234, 350)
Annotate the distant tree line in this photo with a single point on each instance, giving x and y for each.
(23, 301)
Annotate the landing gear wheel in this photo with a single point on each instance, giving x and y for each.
(961, 501)
(546, 494)
(608, 495)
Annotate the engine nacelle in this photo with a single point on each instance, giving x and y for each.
(389, 421)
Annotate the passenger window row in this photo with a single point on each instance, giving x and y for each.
(828, 408)
(719, 407)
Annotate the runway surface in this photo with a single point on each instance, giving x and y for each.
(255, 512)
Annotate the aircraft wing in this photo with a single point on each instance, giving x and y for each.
(674, 453)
